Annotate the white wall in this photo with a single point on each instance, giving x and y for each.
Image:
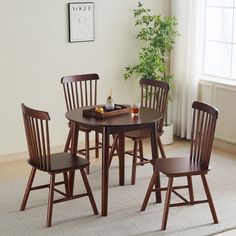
(224, 98)
(35, 54)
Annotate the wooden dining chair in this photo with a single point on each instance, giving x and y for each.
(203, 129)
(40, 158)
(154, 95)
(81, 91)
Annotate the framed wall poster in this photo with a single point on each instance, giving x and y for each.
(81, 22)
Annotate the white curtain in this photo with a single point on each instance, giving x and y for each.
(185, 62)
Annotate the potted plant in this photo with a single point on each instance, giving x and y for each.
(158, 34)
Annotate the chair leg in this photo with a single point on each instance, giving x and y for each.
(163, 155)
(134, 164)
(87, 150)
(71, 182)
(149, 190)
(209, 198)
(88, 189)
(68, 140)
(50, 200)
(96, 144)
(140, 142)
(190, 189)
(67, 189)
(167, 204)
(113, 148)
(28, 188)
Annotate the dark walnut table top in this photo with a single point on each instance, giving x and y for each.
(146, 117)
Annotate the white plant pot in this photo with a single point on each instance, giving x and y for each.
(167, 136)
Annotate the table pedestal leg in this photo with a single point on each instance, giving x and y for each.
(121, 153)
(74, 144)
(155, 155)
(105, 169)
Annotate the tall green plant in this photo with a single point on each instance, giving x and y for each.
(158, 34)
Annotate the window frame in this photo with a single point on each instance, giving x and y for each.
(205, 76)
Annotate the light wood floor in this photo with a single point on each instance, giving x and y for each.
(18, 167)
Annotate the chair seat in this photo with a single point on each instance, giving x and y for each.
(179, 166)
(84, 129)
(140, 134)
(64, 161)
(81, 128)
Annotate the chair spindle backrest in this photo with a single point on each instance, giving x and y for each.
(203, 130)
(154, 94)
(37, 135)
(80, 90)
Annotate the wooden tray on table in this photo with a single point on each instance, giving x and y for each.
(119, 110)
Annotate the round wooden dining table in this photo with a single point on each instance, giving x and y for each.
(114, 125)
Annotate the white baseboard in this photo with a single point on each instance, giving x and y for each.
(224, 145)
(13, 157)
(24, 155)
